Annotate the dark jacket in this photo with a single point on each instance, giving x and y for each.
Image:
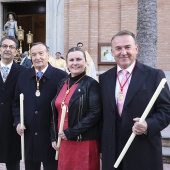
(37, 112)
(84, 111)
(145, 152)
(9, 140)
(27, 63)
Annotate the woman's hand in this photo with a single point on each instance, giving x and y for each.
(62, 135)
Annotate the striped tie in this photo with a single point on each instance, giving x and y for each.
(5, 71)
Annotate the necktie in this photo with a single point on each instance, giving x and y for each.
(124, 83)
(39, 74)
(5, 71)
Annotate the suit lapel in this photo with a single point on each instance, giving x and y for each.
(108, 85)
(112, 86)
(13, 73)
(49, 72)
(139, 76)
(1, 81)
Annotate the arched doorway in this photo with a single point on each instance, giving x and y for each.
(31, 16)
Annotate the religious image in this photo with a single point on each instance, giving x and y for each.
(106, 54)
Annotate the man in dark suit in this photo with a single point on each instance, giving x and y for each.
(145, 151)
(9, 142)
(25, 61)
(38, 89)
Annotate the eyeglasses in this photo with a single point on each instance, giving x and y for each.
(11, 47)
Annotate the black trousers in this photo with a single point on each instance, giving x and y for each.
(13, 165)
(30, 165)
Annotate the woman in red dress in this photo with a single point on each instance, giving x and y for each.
(80, 94)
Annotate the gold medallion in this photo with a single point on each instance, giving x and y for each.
(67, 92)
(120, 95)
(37, 93)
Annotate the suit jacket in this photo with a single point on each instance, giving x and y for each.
(10, 140)
(145, 151)
(37, 112)
(27, 63)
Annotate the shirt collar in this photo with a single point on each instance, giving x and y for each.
(129, 69)
(42, 70)
(9, 65)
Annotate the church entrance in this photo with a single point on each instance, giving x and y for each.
(31, 16)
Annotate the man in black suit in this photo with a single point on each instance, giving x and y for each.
(9, 142)
(145, 151)
(39, 86)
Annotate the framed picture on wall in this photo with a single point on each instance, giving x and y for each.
(105, 56)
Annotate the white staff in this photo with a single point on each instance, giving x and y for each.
(60, 129)
(22, 124)
(144, 115)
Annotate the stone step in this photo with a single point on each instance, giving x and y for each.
(166, 142)
(166, 155)
(166, 160)
(166, 151)
(166, 132)
(166, 145)
(166, 137)
(166, 167)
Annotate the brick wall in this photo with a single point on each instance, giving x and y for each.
(163, 60)
(96, 21)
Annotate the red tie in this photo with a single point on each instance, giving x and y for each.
(121, 98)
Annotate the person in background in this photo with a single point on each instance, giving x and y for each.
(62, 57)
(11, 28)
(39, 88)
(10, 152)
(52, 60)
(126, 91)
(17, 57)
(61, 64)
(90, 69)
(81, 95)
(25, 61)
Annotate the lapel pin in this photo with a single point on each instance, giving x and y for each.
(79, 90)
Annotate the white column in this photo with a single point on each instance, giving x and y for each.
(55, 26)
